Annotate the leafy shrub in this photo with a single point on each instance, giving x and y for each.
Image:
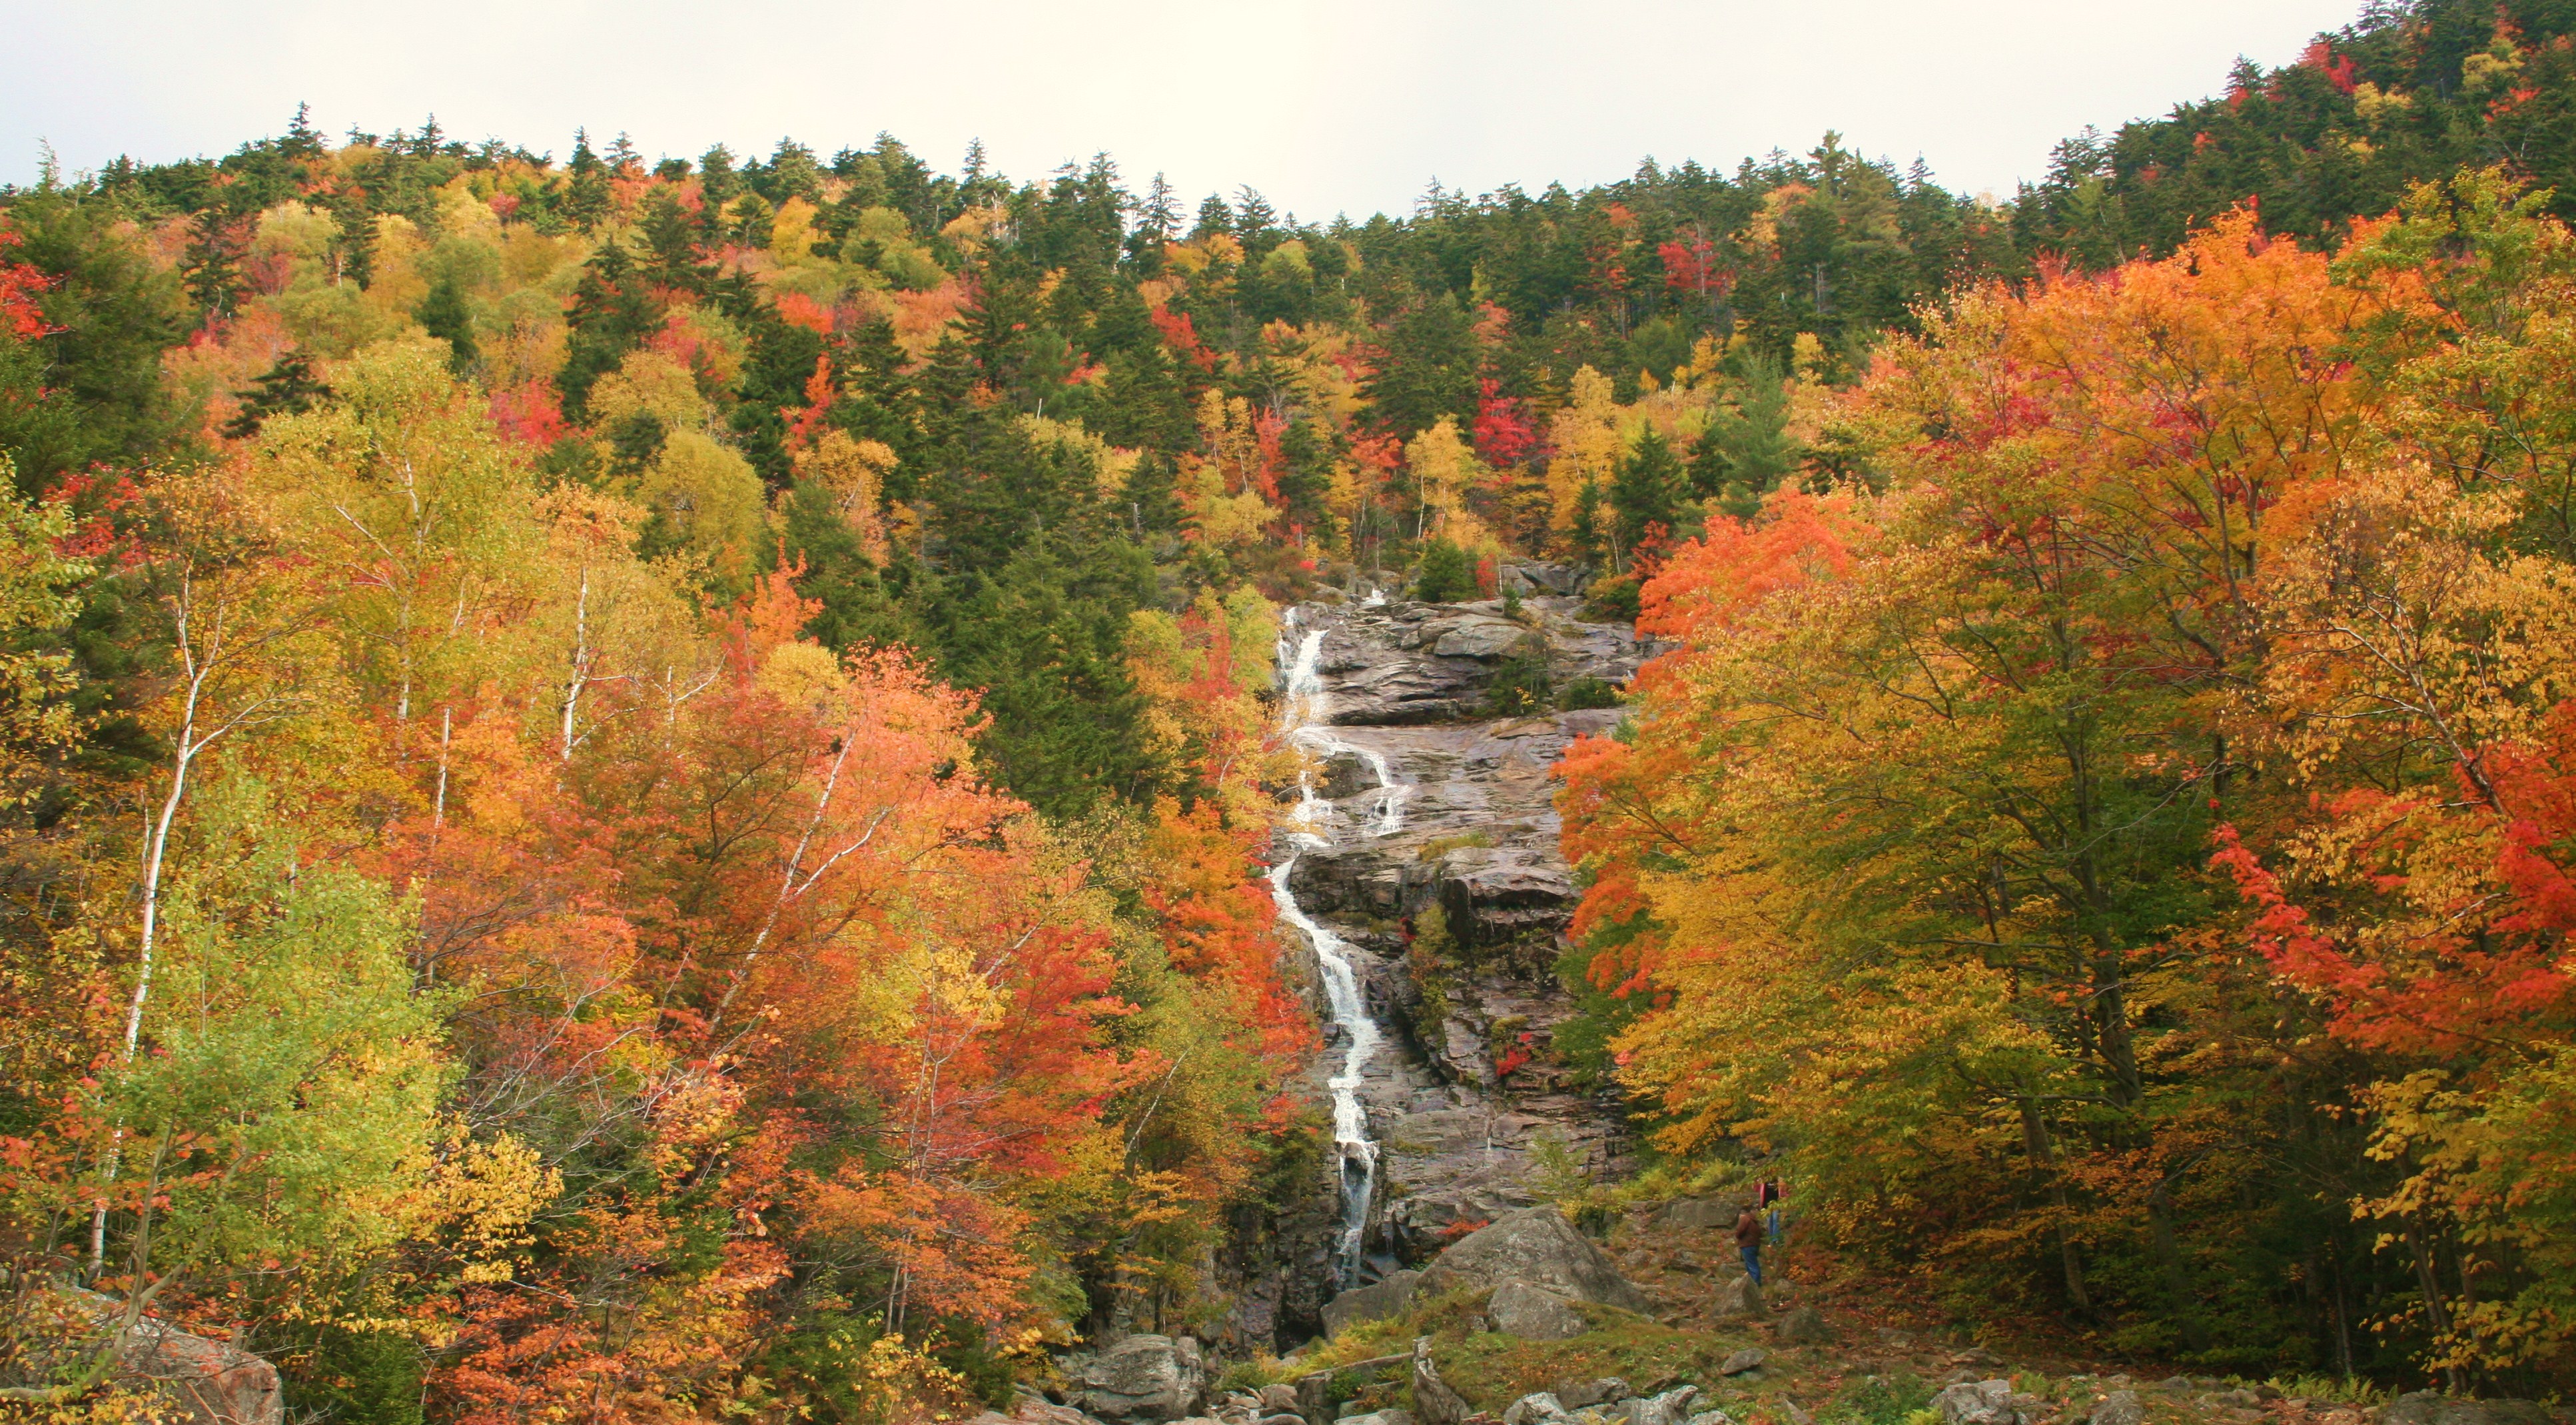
(1585, 693)
(1445, 576)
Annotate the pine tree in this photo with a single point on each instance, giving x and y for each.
(588, 197)
(302, 140)
(1430, 368)
(213, 264)
(353, 247)
(443, 314)
(287, 388)
(1647, 489)
(671, 243)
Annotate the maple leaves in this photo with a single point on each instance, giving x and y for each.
(2166, 678)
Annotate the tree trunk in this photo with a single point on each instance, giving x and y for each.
(2043, 1161)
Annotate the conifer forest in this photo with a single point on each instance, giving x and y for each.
(803, 787)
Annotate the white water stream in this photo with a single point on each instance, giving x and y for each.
(1311, 828)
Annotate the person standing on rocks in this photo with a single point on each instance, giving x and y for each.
(1774, 1192)
(1748, 1240)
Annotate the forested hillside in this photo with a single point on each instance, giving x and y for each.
(637, 788)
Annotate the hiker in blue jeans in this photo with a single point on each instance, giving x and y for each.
(1748, 1240)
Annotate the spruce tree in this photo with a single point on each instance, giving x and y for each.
(1647, 489)
(443, 314)
(287, 388)
(213, 263)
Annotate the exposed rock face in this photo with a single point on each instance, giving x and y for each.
(1145, 1379)
(1536, 1247)
(1468, 1089)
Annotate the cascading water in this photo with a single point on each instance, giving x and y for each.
(1311, 830)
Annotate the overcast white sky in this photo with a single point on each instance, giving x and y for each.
(1324, 105)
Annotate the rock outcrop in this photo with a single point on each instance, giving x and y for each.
(1441, 803)
(1146, 1380)
(1536, 1247)
(210, 1382)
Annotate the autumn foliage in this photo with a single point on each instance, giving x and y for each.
(2118, 842)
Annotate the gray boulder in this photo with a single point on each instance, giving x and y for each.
(1579, 1393)
(1711, 1417)
(1380, 1417)
(1803, 1326)
(1534, 1409)
(1532, 1314)
(1738, 1298)
(1374, 1302)
(1673, 1407)
(1485, 638)
(2120, 1407)
(1146, 1380)
(1748, 1359)
(1698, 1212)
(1990, 1402)
(1537, 1246)
(1279, 1399)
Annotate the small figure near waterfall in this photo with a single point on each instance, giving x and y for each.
(1748, 1240)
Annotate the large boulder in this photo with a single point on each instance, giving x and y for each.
(1374, 1302)
(1601, 1390)
(1739, 1299)
(1532, 1314)
(1803, 1326)
(1698, 1212)
(2120, 1407)
(1990, 1402)
(1145, 1379)
(208, 1382)
(1485, 638)
(1673, 1407)
(1539, 1247)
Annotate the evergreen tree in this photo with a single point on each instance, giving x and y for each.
(612, 312)
(1430, 368)
(1647, 489)
(443, 314)
(1446, 575)
(671, 244)
(588, 197)
(1746, 449)
(353, 246)
(286, 388)
(213, 263)
(837, 572)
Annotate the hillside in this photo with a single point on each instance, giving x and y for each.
(804, 788)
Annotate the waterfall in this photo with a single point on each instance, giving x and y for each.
(1311, 829)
